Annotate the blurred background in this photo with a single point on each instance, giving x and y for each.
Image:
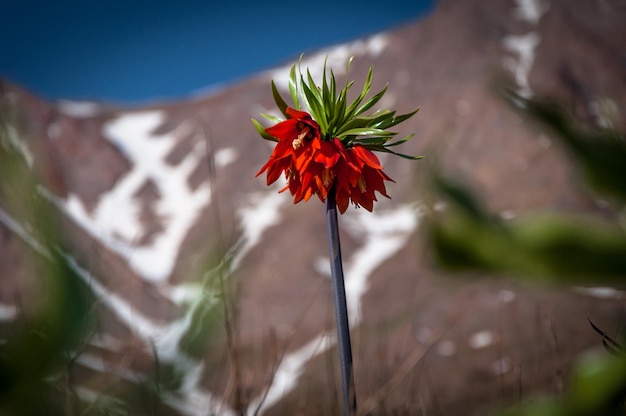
(144, 269)
(132, 52)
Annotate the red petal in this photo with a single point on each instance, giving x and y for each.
(285, 130)
(343, 199)
(367, 156)
(297, 114)
(328, 155)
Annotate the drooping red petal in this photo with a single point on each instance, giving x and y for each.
(367, 203)
(355, 165)
(303, 156)
(297, 114)
(328, 154)
(276, 170)
(343, 199)
(367, 156)
(374, 182)
(285, 130)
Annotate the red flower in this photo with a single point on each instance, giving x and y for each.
(363, 176)
(312, 165)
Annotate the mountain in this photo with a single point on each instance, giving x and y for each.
(152, 199)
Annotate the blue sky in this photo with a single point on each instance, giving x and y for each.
(138, 51)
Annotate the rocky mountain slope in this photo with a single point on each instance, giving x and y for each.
(151, 198)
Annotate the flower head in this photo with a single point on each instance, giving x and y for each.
(329, 148)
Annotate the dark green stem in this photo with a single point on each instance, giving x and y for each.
(341, 309)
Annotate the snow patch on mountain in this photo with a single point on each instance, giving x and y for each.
(260, 212)
(287, 374)
(12, 136)
(530, 10)
(523, 47)
(78, 109)
(384, 234)
(116, 219)
(7, 312)
(335, 57)
(165, 339)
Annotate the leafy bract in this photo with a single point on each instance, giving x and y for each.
(336, 115)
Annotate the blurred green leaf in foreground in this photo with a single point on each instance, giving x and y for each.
(551, 248)
(37, 348)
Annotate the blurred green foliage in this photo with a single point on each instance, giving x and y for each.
(40, 348)
(40, 343)
(554, 248)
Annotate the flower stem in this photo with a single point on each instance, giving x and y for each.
(341, 309)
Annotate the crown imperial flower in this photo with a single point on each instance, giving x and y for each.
(330, 148)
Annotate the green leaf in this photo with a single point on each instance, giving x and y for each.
(293, 87)
(540, 246)
(403, 140)
(371, 141)
(598, 383)
(272, 118)
(280, 103)
(359, 122)
(333, 84)
(367, 131)
(600, 153)
(327, 98)
(348, 63)
(350, 111)
(370, 103)
(340, 109)
(329, 107)
(379, 118)
(405, 156)
(262, 132)
(315, 105)
(384, 149)
(399, 119)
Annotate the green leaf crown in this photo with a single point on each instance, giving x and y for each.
(338, 118)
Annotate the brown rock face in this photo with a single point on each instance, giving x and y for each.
(150, 199)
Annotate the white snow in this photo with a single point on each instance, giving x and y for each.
(97, 363)
(258, 214)
(481, 339)
(384, 233)
(164, 337)
(601, 292)
(18, 144)
(336, 58)
(20, 231)
(530, 10)
(7, 312)
(105, 401)
(116, 221)
(78, 109)
(523, 46)
(224, 157)
(288, 372)
(507, 296)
